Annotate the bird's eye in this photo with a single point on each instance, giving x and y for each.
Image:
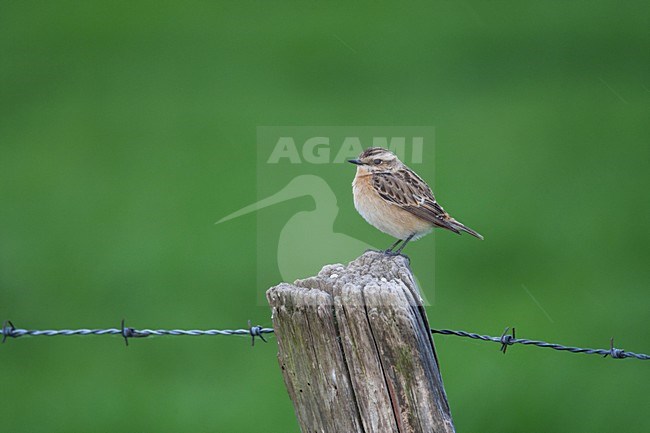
(377, 161)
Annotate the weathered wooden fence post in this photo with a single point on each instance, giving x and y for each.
(356, 352)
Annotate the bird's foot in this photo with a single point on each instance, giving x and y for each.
(390, 253)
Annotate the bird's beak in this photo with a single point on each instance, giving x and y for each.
(355, 161)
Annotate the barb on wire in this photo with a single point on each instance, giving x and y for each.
(7, 330)
(130, 333)
(505, 340)
(256, 331)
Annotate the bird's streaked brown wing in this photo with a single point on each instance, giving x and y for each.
(406, 190)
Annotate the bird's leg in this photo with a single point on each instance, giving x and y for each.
(390, 250)
(406, 241)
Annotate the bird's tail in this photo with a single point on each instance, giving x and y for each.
(460, 227)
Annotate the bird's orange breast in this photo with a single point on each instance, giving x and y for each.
(385, 216)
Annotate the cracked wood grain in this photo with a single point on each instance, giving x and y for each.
(355, 350)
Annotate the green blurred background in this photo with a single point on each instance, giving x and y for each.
(128, 128)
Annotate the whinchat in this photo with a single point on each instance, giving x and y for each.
(394, 199)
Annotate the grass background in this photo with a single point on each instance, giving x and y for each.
(128, 128)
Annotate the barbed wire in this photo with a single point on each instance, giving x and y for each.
(9, 330)
(509, 339)
(505, 340)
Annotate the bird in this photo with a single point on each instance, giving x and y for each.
(394, 199)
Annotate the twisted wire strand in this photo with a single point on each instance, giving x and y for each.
(138, 332)
(507, 340)
(10, 331)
